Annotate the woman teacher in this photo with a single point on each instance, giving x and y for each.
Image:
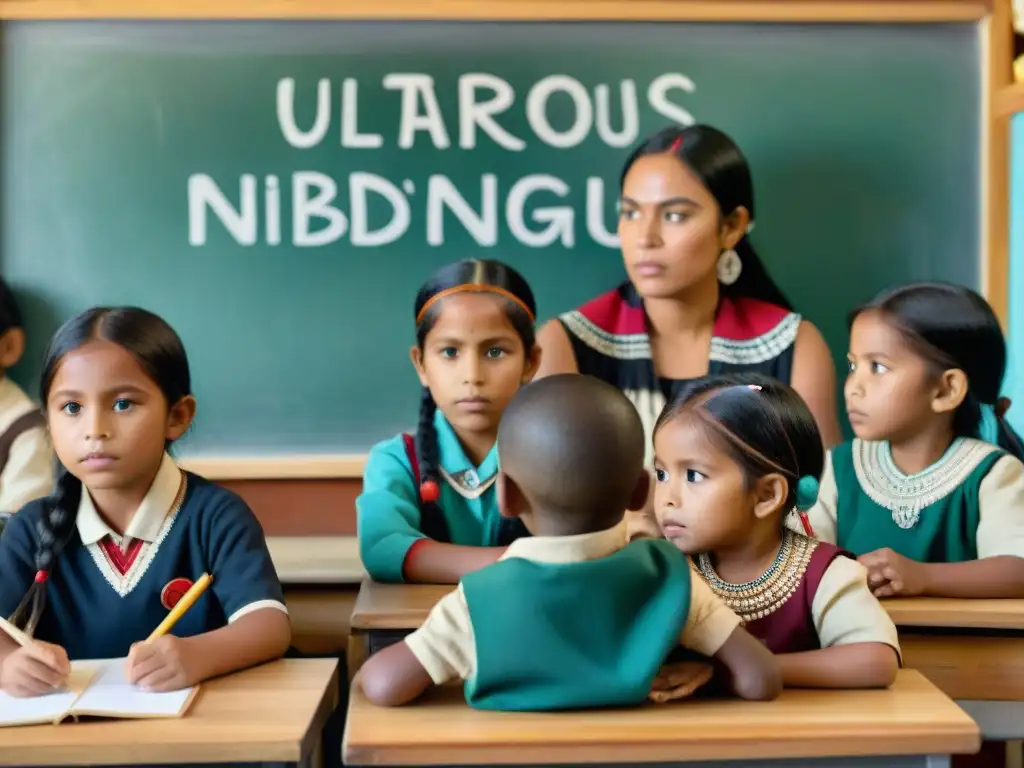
(698, 299)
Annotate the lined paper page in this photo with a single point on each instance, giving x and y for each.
(110, 694)
(44, 709)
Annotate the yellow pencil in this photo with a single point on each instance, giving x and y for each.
(15, 634)
(182, 605)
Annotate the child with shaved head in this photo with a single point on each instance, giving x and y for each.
(571, 617)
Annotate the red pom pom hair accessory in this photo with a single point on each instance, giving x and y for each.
(42, 576)
(429, 491)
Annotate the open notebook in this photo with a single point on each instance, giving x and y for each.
(94, 689)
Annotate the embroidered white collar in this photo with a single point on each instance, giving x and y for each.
(906, 495)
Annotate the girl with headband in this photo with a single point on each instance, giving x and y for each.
(428, 510)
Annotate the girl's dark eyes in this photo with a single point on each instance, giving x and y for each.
(71, 409)
(660, 475)
(122, 404)
(693, 476)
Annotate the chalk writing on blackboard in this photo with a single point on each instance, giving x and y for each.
(249, 208)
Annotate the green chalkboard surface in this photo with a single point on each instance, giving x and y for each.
(278, 191)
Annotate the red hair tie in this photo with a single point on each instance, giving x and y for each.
(676, 144)
(429, 491)
(42, 576)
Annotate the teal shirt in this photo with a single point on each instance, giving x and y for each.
(553, 636)
(930, 517)
(388, 511)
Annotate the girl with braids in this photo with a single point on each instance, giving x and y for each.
(698, 299)
(428, 511)
(90, 572)
(930, 494)
(734, 454)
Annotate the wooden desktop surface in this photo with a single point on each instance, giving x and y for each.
(272, 713)
(405, 606)
(320, 560)
(913, 717)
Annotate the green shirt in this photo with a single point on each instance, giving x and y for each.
(388, 510)
(931, 516)
(555, 636)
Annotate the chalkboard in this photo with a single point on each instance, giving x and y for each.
(174, 165)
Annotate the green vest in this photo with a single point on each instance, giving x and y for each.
(575, 635)
(930, 517)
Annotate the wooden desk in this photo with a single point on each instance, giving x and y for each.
(913, 718)
(272, 713)
(388, 611)
(960, 614)
(973, 650)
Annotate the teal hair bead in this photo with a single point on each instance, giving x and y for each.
(806, 492)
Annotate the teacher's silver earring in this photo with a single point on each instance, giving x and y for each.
(729, 267)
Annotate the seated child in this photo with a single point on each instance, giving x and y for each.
(427, 512)
(572, 617)
(733, 455)
(90, 572)
(26, 457)
(930, 493)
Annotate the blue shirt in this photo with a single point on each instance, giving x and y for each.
(186, 526)
(388, 510)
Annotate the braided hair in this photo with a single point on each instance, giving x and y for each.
(160, 353)
(522, 311)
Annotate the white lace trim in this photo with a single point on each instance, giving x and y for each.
(906, 495)
(637, 346)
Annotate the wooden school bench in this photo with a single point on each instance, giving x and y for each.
(911, 724)
(271, 713)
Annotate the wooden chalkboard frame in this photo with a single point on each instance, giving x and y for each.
(1001, 98)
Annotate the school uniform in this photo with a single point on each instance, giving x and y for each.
(388, 511)
(813, 596)
(610, 340)
(108, 591)
(966, 506)
(26, 456)
(570, 622)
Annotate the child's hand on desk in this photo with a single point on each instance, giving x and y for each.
(893, 575)
(161, 664)
(34, 669)
(679, 680)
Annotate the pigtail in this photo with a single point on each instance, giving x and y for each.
(54, 529)
(431, 518)
(1006, 436)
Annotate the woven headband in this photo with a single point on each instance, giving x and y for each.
(478, 287)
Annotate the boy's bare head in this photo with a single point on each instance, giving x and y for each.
(571, 449)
